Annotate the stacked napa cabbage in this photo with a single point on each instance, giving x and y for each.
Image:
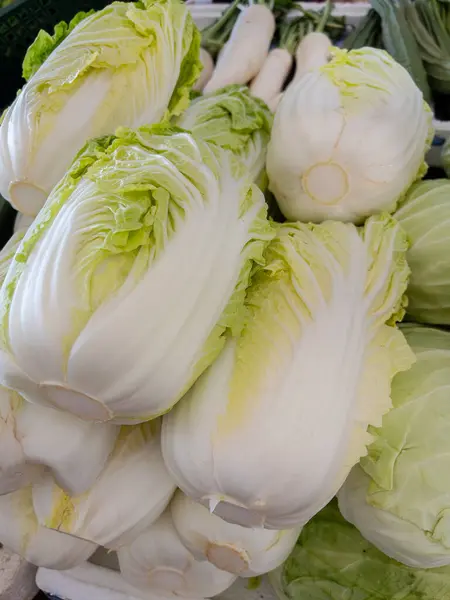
(157, 330)
(140, 260)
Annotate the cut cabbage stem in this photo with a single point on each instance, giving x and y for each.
(167, 578)
(312, 52)
(27, 197)
(208, 68)
(228, 558)
(246, 51)
(326, 183)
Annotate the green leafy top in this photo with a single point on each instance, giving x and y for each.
(233, 119)
(45, 43)
(160, 32)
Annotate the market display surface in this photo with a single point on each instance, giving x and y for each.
(224, 309)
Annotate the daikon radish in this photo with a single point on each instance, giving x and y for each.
(312, 53)
(245, 52)
(269, 82)
(208, 68)
(217, 34)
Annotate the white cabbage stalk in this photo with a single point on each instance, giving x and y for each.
(126, 65)
(21, 533)
(399, 496)
(234, 120)
(158, 562)
(269, 433)
(155, 235)
(22, 222)
(243, 551)
(424, 214)
(349, 137)
(89, 582)
(130, 494)
(33, 438)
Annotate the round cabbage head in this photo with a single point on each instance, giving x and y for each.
(425, 215)
(399, 496)
(332, 561)
(349, 138)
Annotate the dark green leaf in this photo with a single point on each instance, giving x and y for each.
(400, 42)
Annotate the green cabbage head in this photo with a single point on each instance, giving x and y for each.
(399, 496)
(425, 217)
(332, 561)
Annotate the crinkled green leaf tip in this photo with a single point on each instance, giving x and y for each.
(45, 43)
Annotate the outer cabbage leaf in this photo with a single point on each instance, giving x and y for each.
(34, 440)
(20, 532)
(8, 252)
(233, 119)
(156, 236)
(425, 216)
(349, 138)
(286, 406)
(129, 64)
(399, 496)
(332, 561)
(129, 495)
(44, 44)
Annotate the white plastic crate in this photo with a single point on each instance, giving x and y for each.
(205, 14)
